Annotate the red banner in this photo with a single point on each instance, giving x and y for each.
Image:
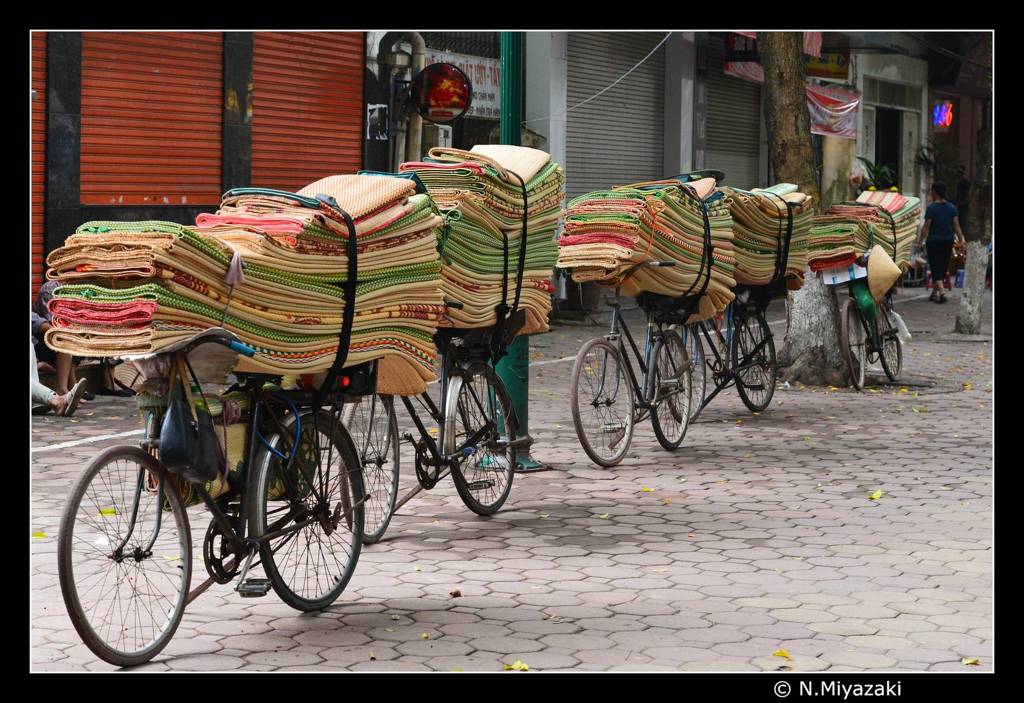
(833, 111)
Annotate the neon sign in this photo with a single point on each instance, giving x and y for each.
(942, 114)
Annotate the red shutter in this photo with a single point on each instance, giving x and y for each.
(38, 160)
(307, 106)
(151, 118)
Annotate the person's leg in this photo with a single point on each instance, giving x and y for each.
(65, 372)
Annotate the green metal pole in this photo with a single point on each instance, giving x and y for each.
(514, 368)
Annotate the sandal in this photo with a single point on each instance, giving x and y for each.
(942, 298)
(934, 297)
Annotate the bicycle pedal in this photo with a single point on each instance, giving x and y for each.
(754, 386)
(479, 485)
(253, 588)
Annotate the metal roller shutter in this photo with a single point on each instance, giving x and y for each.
(307, 120)
(617, 138)
(151, 118)
(733, 122)
(38, 161)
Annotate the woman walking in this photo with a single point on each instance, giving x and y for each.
(941, 229)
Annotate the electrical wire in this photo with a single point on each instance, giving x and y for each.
(604, 90)
(947, 52)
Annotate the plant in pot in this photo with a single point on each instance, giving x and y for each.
(880, 176)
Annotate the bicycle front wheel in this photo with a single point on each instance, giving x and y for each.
(891, 355)
(308, 514)
(853, 342)
(753, 357)
(124, 556)
(601, 398)
(699, 375)
(480, 424)
(374, 428)
(671, 394)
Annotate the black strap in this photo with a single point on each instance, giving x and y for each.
(782, 252)
(708, 249)
(503, 312)
(331, 207)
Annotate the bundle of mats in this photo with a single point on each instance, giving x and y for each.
(762, 220)
(609, 231)
(849, 229)
(483, 200)
(270, 266)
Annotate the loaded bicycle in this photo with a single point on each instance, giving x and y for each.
(292, 504)
(743, 354)
(868, 334)
(472, 426)
(608, 397)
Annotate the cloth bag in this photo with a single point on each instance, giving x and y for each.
(188, 442)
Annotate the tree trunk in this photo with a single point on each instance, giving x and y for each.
(978, 232)
(811, 350)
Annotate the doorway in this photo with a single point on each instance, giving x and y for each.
(887, 142)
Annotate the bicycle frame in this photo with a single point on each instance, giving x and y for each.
(724, 373)
(619, 329)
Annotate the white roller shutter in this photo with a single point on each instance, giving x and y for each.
(733, 122)
(619, 137)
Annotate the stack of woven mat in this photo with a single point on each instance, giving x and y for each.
(761, 222)
(270, 267)
(848, 230)
(609, 231)
(482, 199)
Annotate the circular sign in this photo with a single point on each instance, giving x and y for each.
(441, 92)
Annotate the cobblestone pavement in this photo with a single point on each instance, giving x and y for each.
(758, 534)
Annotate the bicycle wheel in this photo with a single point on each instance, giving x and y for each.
(754, 349)
(852, 342)
(603, 407)
(699, 376)
(372, 423)
(671, 393)
(124, 556)
(480, 422)
(314, 509)
(891, 354)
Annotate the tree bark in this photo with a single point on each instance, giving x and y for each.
(978, 232)
(811, 350)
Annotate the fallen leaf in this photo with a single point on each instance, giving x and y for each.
(876, 495)
(394, 617)
(373, 657)
(517, 665)
(970, 661)
(604, 516)
(645, 489)
(415, 567)
(968, 385)
(107, 512)
(919, 410)
(39, 535)
(543, 515)
(691, 535)
(390, 629)
(458, 671)
(782, 653)
(170, 557)
(667, 502)
(659, 571)
(424, 635)
(456, 593)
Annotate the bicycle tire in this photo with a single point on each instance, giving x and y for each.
(267, 486)
(467, 412)
(891, 353)
(85, 617)
(749, 333)
(851, 335)
(379, 456)
(699, 376)
(609, 426)
(670, 415)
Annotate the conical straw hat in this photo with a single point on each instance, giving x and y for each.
(882, 272)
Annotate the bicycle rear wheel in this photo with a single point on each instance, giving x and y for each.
(672, 390)
(124, 556)
(752, 341)
(480, 421)
(601, 398)
(699, 376)
(891, 354)
(374, 428)
(314, 509)
(853, 342)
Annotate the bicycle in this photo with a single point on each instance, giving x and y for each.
(125, 569)
(125, 545)
(867, 333)
(602, 371)
(475, 436)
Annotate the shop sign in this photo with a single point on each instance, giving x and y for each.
(441, 92)
(835, 65)
(833, 110)
(942, 115)
(485, 76)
